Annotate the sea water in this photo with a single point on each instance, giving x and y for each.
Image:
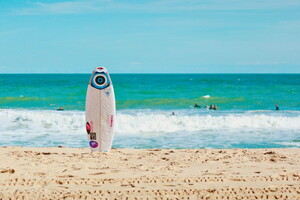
(246, 115)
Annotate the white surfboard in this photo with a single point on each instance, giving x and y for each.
(100, 111)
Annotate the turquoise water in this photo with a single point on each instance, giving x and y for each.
(246, 117)
(155, 91)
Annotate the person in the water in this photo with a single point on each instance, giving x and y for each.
(60, 108)
(197, 106)
(213, 107)
(276, 107)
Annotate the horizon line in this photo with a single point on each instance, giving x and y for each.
(156, 73)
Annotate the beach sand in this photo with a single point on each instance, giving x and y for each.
(75, 173)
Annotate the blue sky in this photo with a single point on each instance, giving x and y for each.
(136, 36)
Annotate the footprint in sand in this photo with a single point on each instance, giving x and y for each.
(10, 171)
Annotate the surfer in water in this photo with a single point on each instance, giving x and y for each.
(276, 107)
(213, 107)
(197, 106)
(60, 108)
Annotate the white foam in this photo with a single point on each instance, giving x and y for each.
(290, 144)
(162, 123)
(206, 96)
(37, 121)
(50, 128)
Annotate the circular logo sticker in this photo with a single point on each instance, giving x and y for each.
(93, 144)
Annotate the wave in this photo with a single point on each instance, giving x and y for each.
(189, 128)
(290, 144)
(161, 122)
(37, 121)
(147, 121)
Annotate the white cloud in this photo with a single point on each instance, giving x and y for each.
(67, 7)
(264, 63)
(90, 6)
(11, 32)
(3, 68)
(135, 63)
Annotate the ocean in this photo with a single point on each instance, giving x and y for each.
(246, 115)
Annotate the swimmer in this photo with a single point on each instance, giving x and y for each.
(276, 107)
(197, 106)
(215, 107)
(172, 113)
(60, 108)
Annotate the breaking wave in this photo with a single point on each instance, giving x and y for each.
(50, 128)
(145, 121)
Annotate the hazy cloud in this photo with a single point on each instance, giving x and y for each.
(11, 32)
(264, 63)
(94, 6)
(136, 63)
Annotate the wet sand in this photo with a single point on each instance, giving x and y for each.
(75, 173)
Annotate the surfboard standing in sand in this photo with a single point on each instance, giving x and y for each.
(100, 111)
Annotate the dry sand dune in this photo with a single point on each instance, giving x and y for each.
(69, 173)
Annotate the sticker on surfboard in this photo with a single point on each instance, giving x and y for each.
(100, 111)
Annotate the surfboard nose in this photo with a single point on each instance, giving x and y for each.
(100, 78)
(101, 69)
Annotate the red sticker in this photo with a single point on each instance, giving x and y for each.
(88, 128)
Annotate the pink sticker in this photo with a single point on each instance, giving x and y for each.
(88, 128)
(111, 120)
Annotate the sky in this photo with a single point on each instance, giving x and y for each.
(150, 36)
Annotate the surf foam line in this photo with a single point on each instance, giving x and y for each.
(162, 123)
(138, 122)
(39, 121)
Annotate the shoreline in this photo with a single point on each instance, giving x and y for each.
(76, 173)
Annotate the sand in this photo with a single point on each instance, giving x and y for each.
(75, 173)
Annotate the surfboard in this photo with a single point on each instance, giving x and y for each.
(100, 111)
